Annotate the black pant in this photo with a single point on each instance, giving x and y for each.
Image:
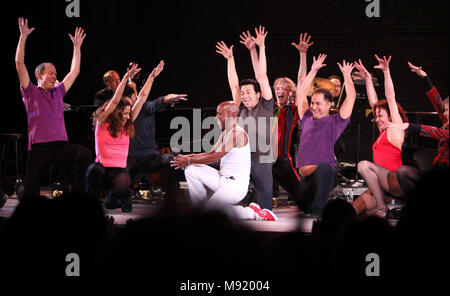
(261, 175)
(115, 180)
(43, 155)
(284, 175)
(315, 189)
(154, 163)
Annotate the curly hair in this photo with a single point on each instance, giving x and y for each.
(383, 104)
(114, 119)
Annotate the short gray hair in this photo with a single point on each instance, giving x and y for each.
(40, 68)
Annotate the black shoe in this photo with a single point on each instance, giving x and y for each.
(126, 204)
(395, 213)
(112, 203)
(3, 198)
(19, 189)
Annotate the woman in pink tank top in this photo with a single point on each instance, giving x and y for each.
(113, 123)
(380, 175)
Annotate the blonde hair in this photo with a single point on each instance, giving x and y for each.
(290, 84)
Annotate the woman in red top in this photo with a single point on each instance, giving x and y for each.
(408, 176)
(113, 123)
(380, 175)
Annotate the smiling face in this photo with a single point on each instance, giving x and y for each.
(282, 93)
(320, 107)
(47, 77)
(125, 115)
(381, 119)
(250, 97)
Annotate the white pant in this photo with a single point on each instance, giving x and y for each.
(222, 194)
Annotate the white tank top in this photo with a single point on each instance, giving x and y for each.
(236, 163)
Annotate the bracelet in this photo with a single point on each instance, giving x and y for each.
(189, 161)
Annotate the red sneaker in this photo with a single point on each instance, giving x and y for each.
(255, 207)
(266, 215)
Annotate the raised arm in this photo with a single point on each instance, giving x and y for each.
(383, 64)
(233, 79)
(247, 40)
(77, 41)
(302, 48)
(143, 94)
(261, 76)
(370, 89)
(301, 99)
(118, 94)
(432, 93)
(22, 71)
(347, 106)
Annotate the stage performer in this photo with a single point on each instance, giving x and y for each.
(408, 176)
(111, 80)
(257, 104)
(47, 136)
(285, 114)
(320, 130)
(228, 185)
(380, 175)
(114, 127)
(143, 156)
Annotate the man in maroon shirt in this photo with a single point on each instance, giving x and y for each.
(47, 136)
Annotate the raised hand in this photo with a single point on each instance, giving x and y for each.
(346, 68)
(132, 71)
(383, 64)
(260, 36)
(318, 64)
(222, 48)
(303, 43)
(247, 40)
(157, 70)
(23, 27)
(362, 71)
(417, 70)
(173, 98)
(78, 37)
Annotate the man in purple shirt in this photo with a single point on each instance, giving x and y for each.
(320, 131)
(47, 136)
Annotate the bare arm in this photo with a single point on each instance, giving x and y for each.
(347, 106)
(238, 139)
(233, 79)
(261, 76)
(246, 39)
(389, 88)
(143, 94)
(370, 89)
(118, 94)
(302, 48)
(303, 88)
(22, 71)
(77, 41)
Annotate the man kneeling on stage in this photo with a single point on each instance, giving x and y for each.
(229, 185)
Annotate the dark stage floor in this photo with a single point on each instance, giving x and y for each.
(291, 219)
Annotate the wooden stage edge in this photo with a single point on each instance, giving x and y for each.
(290, 218)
